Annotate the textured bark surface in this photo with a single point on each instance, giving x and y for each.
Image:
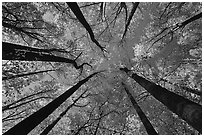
(26, 125)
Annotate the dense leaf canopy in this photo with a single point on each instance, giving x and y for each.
(95, 66)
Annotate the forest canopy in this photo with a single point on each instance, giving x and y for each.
(102, 68)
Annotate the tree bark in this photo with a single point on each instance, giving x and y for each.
(26, 74)
(12, 51)
(77, 12)
(25, 126)
(49, 127)
(189, 111)
(148, 126)
(191, 19)
(34, 49)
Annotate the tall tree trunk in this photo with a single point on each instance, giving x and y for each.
(33, 49)
(77, 12)
(12, 51)
(26, 74)
(25, 126)
(148, 126)
(189, 111)
(48, 128)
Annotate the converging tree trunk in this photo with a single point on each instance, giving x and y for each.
(29, 123)
(148, 126)
(12, 51)
(49, 127)
(134, 8)
(189, 111)
(26, 74)
(77, 12)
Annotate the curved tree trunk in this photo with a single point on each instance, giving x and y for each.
(148, 126)
(28, 124)
(189, 111)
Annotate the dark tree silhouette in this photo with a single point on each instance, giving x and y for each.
(49, 127)
(33, 22)
(26, 125)
(24, 103)
(198, 16)
(6, 107)
(134, 8)
(171, 29)
(12, 51)
(148, 126)
(23, 30)
(77, 12)
(26, 74)
(189, 111)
